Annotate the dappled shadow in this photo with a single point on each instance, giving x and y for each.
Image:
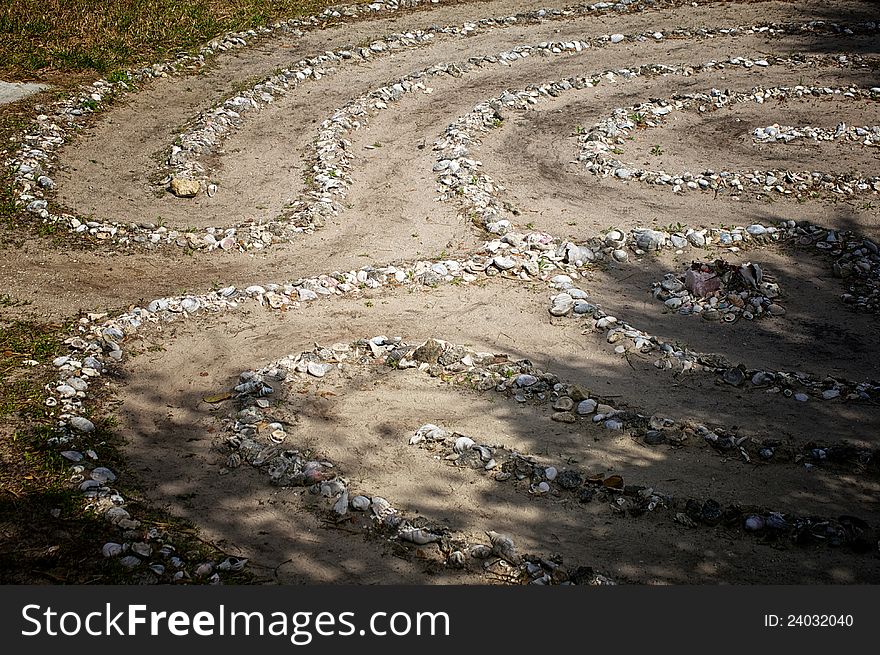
(363, 423)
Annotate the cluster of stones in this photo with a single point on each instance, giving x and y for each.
(100, 342)
(140, 547)
(600, 145)
(459, 175)
(574, 301)
(329, 177)
(866, 135)
(32, 164)
(208, 130)
(257, 432)
(720, 291)
(504, 464)
(256, 436)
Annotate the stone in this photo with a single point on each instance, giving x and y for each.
(564, 417)
(81, 424)
(319, 370)
(429, 352)
(183, 187)
(563, 404)
(578, 393)
(587, 406)
(701, 283)
(655, 437)
(103, 475)
(570, 480)
(696, 239)
(650, 239)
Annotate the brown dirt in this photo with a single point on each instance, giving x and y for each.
(392, 215)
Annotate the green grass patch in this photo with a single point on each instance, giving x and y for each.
(42, 36)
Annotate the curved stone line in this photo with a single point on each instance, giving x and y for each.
(477, 191)
(211, 127)
(32, 164)
(100, 343)
(255, 434)
(504, 464)
(207, 131)
(865, 135)
(519, 381)
(604, 140)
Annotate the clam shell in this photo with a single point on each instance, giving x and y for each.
(503, 547)
(360, 503)
(111, 549)
(463, 444)
(231, 564)
(480, 551)
(419, 536)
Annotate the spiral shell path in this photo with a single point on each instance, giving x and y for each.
(478, 292)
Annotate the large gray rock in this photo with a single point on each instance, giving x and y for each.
(650, 240)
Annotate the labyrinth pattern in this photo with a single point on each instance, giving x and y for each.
(485, 292)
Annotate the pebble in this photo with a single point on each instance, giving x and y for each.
(319, 370)
(81, 424)
(111, 549)
(103, 475)
(587, 406)
(564, 404)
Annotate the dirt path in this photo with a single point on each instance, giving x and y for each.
(391, 212)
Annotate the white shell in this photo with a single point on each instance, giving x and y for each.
(111, 549)
(503, 547)
(360, 503)
(480, 551)
(380, 506)
(231, 564)
(419, 536)
(463, 444)
(204, 569)
(550, 472)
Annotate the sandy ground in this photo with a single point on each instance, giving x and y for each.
(391, 214)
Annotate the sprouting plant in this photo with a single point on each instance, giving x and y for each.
(638, 118)
(657, 150)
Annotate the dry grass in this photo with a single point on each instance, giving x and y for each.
(42, 38)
